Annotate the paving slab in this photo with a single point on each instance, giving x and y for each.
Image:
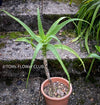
(27, 12)
(21, 51)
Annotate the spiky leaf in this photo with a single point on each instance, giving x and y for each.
(54, 51)
(40, 27)
(26, 40)
(38, 47)
(24, 25)
(64, 47)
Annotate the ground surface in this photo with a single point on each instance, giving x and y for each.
(13, 92)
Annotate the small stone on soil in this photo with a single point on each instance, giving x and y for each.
(60, 90)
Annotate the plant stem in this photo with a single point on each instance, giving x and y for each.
(46, 69)
(47, 72)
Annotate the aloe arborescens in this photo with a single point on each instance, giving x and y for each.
(43, 41)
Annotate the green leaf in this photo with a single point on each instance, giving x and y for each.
(87, 1)
(52, 28)
(54, 51)
(94, 55)
(61, 25)
(98, 33)
(94, 16)
(79, 36)
(64, 47)
(86, 41)
(38, 47)
(92, 6)
(70, 2)
(40, 27)
(98, 48)
(53, 37)
(90, 68)
(26, 40)
(24, 25)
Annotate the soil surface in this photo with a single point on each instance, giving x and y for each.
(14, 92)
(59, 90)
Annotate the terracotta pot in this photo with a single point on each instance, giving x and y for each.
(56, 101)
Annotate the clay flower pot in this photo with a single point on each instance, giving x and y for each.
(56, 101)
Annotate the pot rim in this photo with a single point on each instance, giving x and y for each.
(53, 98)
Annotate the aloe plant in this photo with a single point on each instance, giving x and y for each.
(43, 42)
